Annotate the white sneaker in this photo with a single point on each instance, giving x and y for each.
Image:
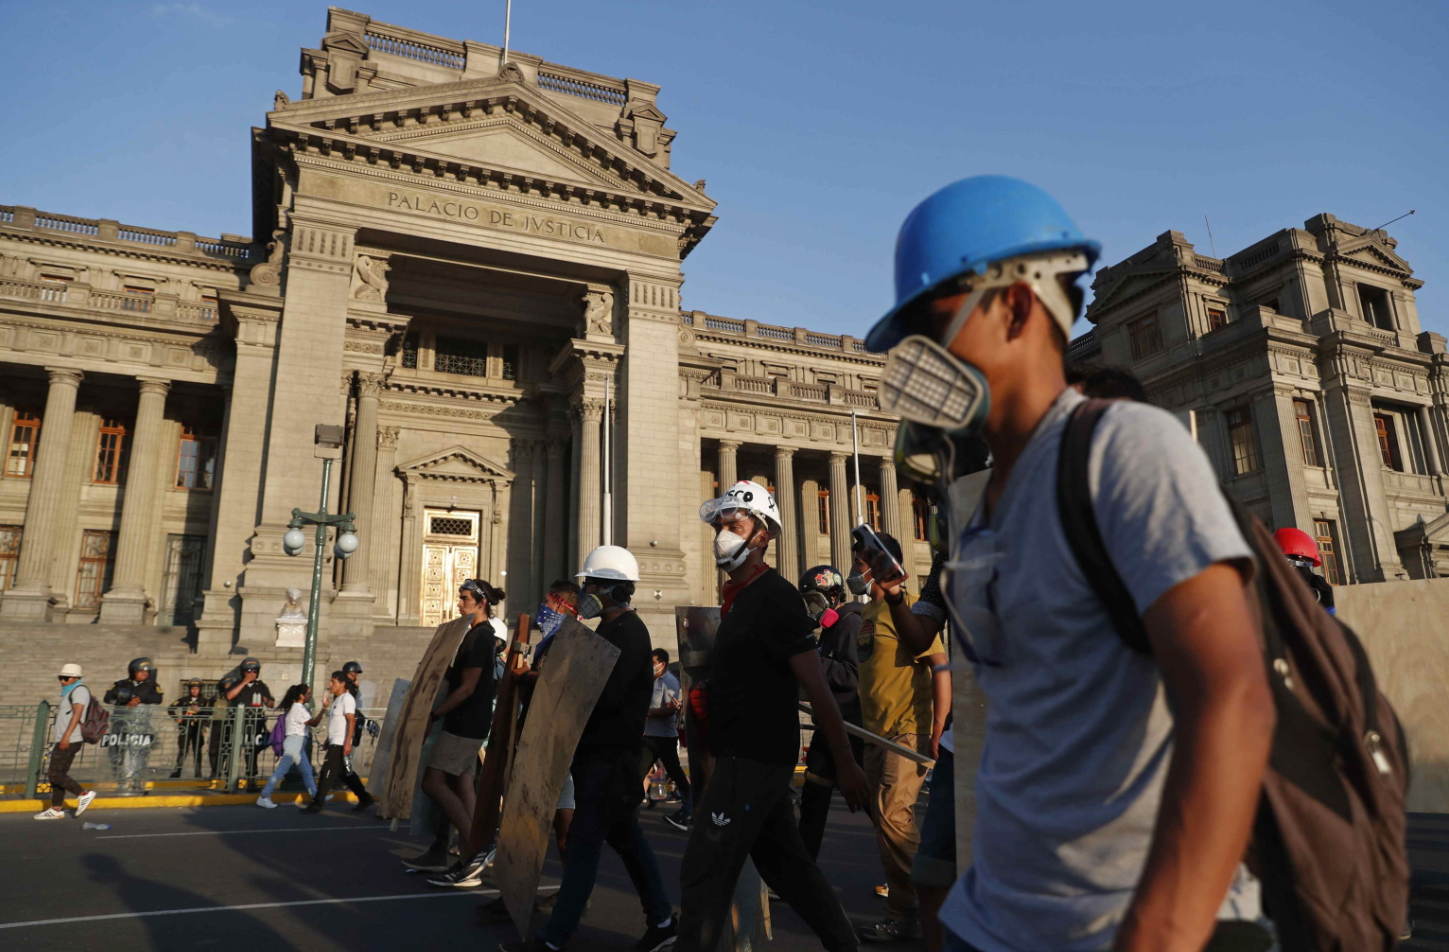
(303, 803)
(266, 803)
(84, 801)
(50, 814)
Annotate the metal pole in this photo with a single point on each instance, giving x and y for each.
(309, 653)
(608, 505)
(507, 25)
(855, 449)
(37, 748)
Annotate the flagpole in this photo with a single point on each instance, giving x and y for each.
(507, 24)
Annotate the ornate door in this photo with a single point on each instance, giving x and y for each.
(450, 556)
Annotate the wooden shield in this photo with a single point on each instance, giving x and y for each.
(412, 725)
(750, 915)
(388, 734)
(574, 671)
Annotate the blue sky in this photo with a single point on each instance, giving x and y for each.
(817, 125)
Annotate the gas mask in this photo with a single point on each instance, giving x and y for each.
(730, 550)
(816, 604)
(592, 606)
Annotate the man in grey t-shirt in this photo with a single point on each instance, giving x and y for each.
(1117, 790)
(661, 737)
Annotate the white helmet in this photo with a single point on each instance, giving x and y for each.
(745, 495)
(610, 562)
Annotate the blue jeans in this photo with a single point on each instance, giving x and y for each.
(293, 752)
(606, 803)
(935, 862)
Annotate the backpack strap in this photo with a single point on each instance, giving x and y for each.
(1079, 524)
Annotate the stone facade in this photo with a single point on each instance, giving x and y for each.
(474, 267)
(1301, 364)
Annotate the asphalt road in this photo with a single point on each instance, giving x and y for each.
(241, 878)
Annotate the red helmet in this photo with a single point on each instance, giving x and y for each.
(1299, 543)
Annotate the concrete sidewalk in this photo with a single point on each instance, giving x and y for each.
(162, 793)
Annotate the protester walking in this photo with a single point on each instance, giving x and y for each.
(250, 692)
(606, 765)
(1118, 788)
(905, 697)
(129, 737)
(66, 735)
(764, 654)
(191, 717)
(340, 717)
(661, 737)
(297, 718)
(823, 590)
(353, 670)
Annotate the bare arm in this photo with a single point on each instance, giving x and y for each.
(1205, 640)
(940, 699)
(917, 632)
(351, 727)
(466, 686)
(849, 776)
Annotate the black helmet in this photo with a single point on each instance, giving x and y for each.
(251, 664)
(225, 684)
(352, 667)
(193, 683)
(825, 579)
(140, 664)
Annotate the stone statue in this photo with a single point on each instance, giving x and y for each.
(280, 100)
(292, 610)
(292, 622)
(598, 313)
(369, 279)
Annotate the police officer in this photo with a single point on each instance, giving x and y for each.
(253, 694)
(128, 741)
(353, 670)
(190, 725)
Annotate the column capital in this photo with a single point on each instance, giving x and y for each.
(589, 410)
(154, 385)
(64, 377)
(369, 384)
(839, 456)
(556, 449)
(387, 437)
(784, 453)
(732, 446)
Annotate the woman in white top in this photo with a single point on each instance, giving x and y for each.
(294, 745)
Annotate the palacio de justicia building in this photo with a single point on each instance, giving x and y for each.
(472, 267)
(464, 263)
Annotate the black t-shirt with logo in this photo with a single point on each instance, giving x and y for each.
(252, 695)
(474, 716)
(753, 694)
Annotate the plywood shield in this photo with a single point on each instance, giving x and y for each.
(388, 734)
(412, 728)
(697, 627)
(571, 679)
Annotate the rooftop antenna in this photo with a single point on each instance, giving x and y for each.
(1391, 221)
(1212, 244)
(507, 23)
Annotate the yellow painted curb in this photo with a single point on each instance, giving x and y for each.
(168, 800)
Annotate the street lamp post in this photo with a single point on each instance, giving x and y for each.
(329, 439)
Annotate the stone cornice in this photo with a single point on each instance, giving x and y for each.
(94, 246)
(861, 358)
(450, 390)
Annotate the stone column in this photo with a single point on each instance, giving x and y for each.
(840, 524)
(540, 507)
(30, 597)
(729, 457)
(1431, 443)
(363, 484)
(125, 603)
(809, 522)
(591, 487)
(554, 528)
(787, 552)
(382, 551)
(890, 500)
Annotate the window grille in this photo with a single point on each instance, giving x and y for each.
(97, 566)
(1244, 441)
(9, 555)
(452, 355)
(444, 525)
(109, 447)
(410, 351)
(510, 362)
(24, 438)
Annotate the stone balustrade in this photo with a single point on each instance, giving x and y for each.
(714, 324)
(726, 381)
(22, 217)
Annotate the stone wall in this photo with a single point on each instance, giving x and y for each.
(1404, 626)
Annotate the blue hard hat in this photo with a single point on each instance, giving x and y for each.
(964, 227)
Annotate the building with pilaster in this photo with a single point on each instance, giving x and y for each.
(472, 265)
(1302, 366)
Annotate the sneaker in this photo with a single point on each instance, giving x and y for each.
(266, 803)
(464, 875)
(431, 861)
(892, 930)
(680, 821)
(364, 804)
(50, 814)
(83, 802)
(659, 937)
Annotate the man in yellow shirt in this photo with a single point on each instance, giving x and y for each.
(903, 700)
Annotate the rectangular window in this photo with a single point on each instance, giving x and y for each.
(1217, 319)
(410, 351)
(139, 300)
(920, 518)
(9, 555)
(822, 509)
(196, 459)
(1307, 437)
(182, 581)
(509, 369)
(872, 510)
(1243, 440)
(53, 288)
(24, 438)
(1327, 536)
(208, 306)
(97, 565)
(1145, 335)
(1388, 441)
(1375, 305)
(109, 447)
(452, 355)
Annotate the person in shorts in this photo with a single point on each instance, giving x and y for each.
(74, 699)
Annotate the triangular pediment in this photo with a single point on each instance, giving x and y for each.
(506, 143)
(346, 42)
(456, 464)
(1123, 287)
(1376, 253)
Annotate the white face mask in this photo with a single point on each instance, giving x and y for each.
(730, 550)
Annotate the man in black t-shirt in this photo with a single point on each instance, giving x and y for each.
(606, 766)
(252, 693)
(764, 653)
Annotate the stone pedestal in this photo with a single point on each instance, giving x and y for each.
(291, 634)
